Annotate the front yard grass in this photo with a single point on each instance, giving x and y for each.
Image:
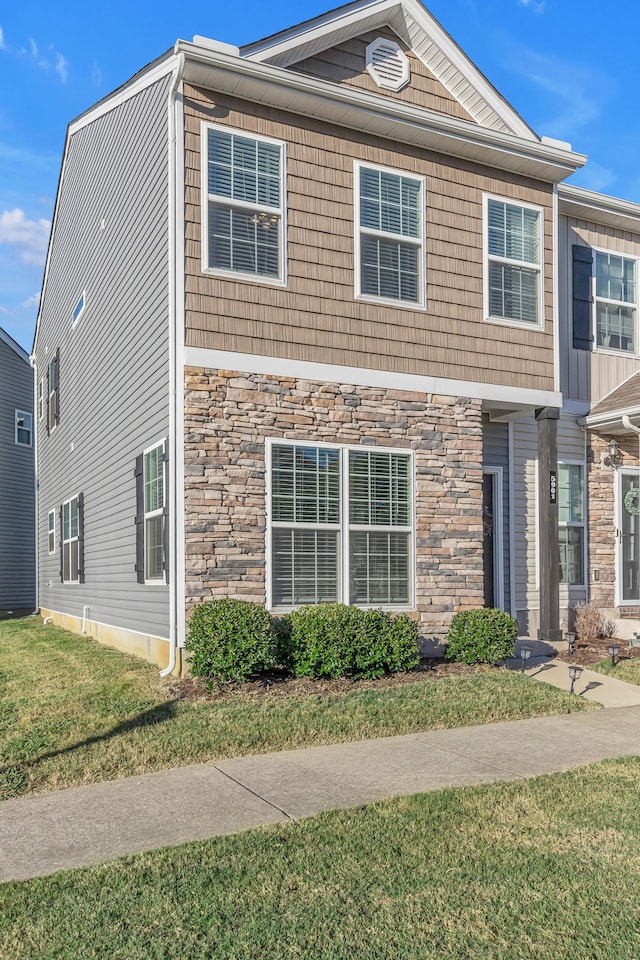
(625, 669)
(72, 712)
(545, 869)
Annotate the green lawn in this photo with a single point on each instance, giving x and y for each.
(547, 869)
(72, 711)
(628, 670)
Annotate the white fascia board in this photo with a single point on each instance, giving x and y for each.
(611, 418)
(320, 32)
(375, 113)
(587, 205)
(10, 342)
(362, 377)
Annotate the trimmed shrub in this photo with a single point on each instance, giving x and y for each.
(333, 640)
(481, 636)
(230, 640)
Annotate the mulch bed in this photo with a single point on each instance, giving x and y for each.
(586, 653)
(279, 685)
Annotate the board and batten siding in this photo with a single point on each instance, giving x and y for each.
(316, 317)
(590, 375)
(110, 241)
(571, 446)
(495, 453)
(346, 63)
(17, 485)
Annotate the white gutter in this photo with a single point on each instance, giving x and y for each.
(609, 418)
(172, 266)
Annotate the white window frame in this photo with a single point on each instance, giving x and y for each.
(23, 415)
(344, 527)
(420, 244)
(563, 525)
(614, 351)
(70, 540)
(158, 512)
(79, 308)
(281, 211)
(51, 531)
(52, 395)
(507, 261)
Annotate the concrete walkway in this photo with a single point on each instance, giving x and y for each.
(86, 825)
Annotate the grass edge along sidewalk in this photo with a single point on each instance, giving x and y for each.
(490, 872)
(75, 712)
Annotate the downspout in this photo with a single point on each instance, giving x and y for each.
(171, 172)
(34, 427)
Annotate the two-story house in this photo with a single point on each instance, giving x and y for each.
(17, 480)
(298, 337)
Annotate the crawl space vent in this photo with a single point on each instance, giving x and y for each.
(387, 64)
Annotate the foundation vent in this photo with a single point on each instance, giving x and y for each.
(387, 64)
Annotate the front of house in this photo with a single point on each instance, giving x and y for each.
(325, 294)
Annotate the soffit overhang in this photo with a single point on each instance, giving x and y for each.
(584, 204)
(373, 114)
(624, 401)
(419, 31)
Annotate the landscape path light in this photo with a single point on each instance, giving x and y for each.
(525, 653)
(574, 673)
(614, 650)
(571, 639)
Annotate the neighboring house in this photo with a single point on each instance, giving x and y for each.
(17, 481)
(298, 338)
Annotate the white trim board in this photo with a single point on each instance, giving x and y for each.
(361, 377)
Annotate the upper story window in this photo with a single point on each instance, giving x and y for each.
(78, 310)
(513, 263)
(24, 432)
(615, 302)
(53, 391)
(243, 220)
(40, 399)
(341, 525)
(390, 236)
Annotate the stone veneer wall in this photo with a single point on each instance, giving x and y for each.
(228, 415)
(601, 484)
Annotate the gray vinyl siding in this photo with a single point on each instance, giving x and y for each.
(17, 507)
(495, 453)
(110, 240)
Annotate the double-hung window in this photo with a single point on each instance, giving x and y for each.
(72, 561)
(53, 392)
(24, 425)
(51, 531)
(571, 522)
(341, 525)
(513, 263)
(615, 302)
(151, 515)
(390, 252)
(244, 208)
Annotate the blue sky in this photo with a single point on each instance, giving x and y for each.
(569, 70)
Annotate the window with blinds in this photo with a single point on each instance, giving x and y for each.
(341, 525)
(244, 215)
(391, 236)
(615, 302)
(514, 262)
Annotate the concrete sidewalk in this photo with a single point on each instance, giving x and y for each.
(86, 825)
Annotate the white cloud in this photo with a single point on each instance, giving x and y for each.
(96, 75)
(536, 5)
(61, 67)
(31, 302)
(29, 236)
(1, 39)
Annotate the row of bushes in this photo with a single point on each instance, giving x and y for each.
(232, 640)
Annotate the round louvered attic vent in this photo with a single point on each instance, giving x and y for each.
(387, 64)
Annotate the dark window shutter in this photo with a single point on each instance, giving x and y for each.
(165, 515)
(139, 518)
(582, 299)
(61, 548)
(81, 537)
(57, 386)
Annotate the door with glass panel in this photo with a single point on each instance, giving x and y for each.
(628, 537)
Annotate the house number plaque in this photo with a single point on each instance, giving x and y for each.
(553, 486)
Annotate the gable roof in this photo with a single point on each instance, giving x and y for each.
(420, 31)
(10, 342)
(624, 399)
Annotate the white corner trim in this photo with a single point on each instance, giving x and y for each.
(359, 376)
